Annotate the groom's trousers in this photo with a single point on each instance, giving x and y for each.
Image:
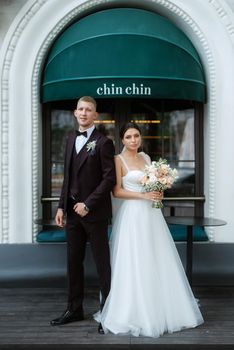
(78, 233)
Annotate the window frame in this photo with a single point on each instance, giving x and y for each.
(122, 108)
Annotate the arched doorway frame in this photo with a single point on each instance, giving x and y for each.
(13, 53)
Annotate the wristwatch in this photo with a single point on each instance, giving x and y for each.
(86, 208)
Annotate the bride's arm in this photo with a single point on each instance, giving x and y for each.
(119, 192)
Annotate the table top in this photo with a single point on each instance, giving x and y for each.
(174, 220)
(194, 221)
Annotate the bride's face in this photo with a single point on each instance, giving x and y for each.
(132, 139)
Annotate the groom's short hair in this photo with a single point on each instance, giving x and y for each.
(88, 99)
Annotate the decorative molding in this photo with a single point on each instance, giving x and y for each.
(5, 74)
(220, 8)
(36, 115)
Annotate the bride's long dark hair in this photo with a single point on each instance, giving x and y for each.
(125, 127)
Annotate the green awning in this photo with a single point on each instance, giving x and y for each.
(123, 52)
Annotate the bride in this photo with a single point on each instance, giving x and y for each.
(150, 294)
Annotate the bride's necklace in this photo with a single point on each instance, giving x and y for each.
(134, 161)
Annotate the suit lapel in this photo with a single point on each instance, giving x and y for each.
(84, 153)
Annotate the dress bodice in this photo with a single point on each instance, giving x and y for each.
(131, 181)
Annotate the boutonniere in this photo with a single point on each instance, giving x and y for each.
(91, 147)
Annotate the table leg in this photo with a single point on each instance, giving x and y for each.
(189, 259)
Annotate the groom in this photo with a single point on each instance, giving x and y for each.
(89, 176)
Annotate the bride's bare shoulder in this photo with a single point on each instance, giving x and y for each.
(118, 157)
(119, 165)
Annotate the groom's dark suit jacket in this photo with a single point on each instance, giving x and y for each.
(95, 176)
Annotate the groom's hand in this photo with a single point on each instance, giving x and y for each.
(59, 218)
(80, 209)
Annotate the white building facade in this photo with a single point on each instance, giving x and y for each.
(26, 39)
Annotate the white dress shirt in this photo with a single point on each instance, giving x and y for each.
(81, 140)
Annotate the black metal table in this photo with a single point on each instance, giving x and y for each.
(190, 222)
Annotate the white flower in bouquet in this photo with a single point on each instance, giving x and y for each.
(158, 176)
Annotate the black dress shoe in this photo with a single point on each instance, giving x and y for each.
(100, 329)
(67, 317)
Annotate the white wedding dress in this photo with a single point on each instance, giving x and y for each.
(150, 294)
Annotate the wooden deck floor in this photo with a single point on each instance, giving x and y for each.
(25, 315)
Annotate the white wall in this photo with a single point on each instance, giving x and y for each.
(8, 10)
(209, 25)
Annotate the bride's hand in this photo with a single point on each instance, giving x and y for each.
(154, 195)
(160, 195)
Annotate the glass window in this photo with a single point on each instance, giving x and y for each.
(168, 131)
(179, 149)
(170, 135)
(61, 123)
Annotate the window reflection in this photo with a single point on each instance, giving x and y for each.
(170, 135)
(167, 131)
(106, 125)
(61, 123)
(181, 150)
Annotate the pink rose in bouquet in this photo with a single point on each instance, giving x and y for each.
(158, 176)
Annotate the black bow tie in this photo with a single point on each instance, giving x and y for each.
(79, 133)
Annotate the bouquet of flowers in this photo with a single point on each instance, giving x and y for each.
(158, 177)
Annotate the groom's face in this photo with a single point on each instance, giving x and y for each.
(85, 114)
